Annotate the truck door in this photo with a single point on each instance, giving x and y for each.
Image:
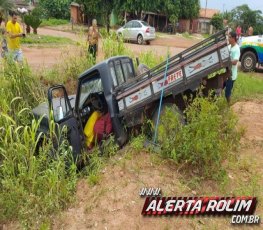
(61, 106)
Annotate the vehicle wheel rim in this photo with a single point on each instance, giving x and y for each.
(140, 39)
(248, 62)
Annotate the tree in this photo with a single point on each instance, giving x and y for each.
(5, 6)
(55, 8)
(189, 9)
(217, 21)
(243, 15)
(171, 8)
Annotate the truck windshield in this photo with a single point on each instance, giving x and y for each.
(89, 86)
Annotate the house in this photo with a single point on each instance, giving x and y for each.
(76, 13)
(205, 16)
(200, 24)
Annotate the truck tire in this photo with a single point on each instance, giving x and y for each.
(175, 109)
(140, 39)
(248, 61)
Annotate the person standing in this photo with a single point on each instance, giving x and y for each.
(238, 32)
(14, 32)
(234, 56)
(4, 48)
(250, 31)
(93, 38)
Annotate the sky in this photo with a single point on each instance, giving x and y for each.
(228, 5)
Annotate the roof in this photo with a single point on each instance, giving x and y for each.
(100, 65)
(207, 13)
(74, 4)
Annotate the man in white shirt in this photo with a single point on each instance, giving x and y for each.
(234, 56)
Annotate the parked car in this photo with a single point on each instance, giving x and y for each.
(251, 52)
(137, 30)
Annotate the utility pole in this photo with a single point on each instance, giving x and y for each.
(205, 7)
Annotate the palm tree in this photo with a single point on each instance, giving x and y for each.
(5, 6)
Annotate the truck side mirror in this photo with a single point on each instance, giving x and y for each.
(59, 102)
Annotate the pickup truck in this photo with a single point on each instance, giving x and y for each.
(251, 52)
(113, 86)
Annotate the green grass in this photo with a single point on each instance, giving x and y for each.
(187, 35)
(206, 36)
(54, 22)
(248, 86)
(45, 39)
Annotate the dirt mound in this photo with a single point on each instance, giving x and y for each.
(250, 115)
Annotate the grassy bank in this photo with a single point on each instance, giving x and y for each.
(248, 86)
(35, 39)
(53, 22)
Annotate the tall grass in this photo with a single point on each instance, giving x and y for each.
(150, 59)
(205, 141)
(114, 46)
(248, 86)
(54, 22)
(32, 186)
(69, 68)
(45, 39)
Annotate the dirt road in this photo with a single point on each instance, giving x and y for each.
(47, 57)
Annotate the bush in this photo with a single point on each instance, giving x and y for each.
(113, 46)
(207, 139)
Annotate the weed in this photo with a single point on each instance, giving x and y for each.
(45, 39)
(113, 46)
(68, 69)
(205, 141)
(53, 22)
(150, 59)
(247, 86)
(186, 35)
(137, 143)
(33, 186)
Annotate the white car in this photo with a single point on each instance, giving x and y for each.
(137, 30)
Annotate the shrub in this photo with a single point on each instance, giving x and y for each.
(113, 46)
(207, 139)
(33, 21)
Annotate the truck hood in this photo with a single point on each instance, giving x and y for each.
(42, 110)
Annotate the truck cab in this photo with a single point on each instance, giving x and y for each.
(95, 92)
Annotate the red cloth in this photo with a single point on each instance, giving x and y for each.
(103, 126)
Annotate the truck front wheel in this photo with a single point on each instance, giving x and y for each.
(248, 61)
(176, 111)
